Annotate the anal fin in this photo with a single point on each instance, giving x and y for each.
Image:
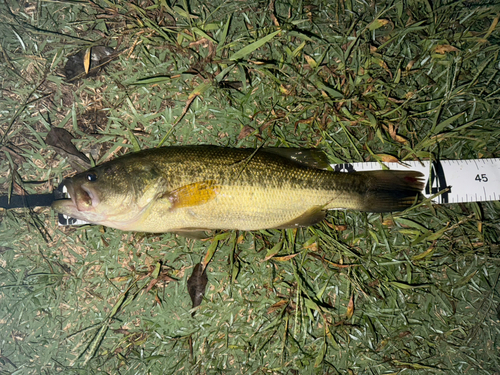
(312, 216)
(194, 234)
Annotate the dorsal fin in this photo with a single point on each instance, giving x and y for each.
(311, 158)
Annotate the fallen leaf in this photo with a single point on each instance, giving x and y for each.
(152, 283)
(310, 61)
(278, 305)
(286, 257)
(86, 60)
(392, 132)
(245, 132)
(197, 284)
(350, 307)
(443, 48)
(378, 24)
(388, 222)
(60, 139)
(385, 158)
(312, 247)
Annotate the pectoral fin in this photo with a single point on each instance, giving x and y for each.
(312, 216)
(194, 194)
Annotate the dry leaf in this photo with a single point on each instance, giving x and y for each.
(310, 61)
(492, 26)
(350, 307)
(152, 283)
(286, 257)
(400, 139)
(378, 24)
(385, 158)
(392, 131)
(312, 247)
(388, 222)
(245, 132)
(197, 284)
(410, 65)
(278, 305)
(60, 139)
(443, 48)
(86, 60)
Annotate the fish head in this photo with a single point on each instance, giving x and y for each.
(112, 194)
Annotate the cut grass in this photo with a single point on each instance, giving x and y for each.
(413, 292)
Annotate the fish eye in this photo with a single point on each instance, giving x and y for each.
(91, 176)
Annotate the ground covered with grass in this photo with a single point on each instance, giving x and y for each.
(412, 292)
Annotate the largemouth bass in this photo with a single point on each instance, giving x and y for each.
(194, 188)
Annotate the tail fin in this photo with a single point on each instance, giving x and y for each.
(392, 190)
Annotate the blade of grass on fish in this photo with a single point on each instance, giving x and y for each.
(252, 47)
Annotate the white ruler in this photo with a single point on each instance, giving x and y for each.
(475, 180)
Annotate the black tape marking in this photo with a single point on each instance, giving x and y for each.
(346, 168)
(438, 178)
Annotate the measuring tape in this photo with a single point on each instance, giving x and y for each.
(475, 180)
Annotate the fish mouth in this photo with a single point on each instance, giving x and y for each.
(85, 198)
(80, 203)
